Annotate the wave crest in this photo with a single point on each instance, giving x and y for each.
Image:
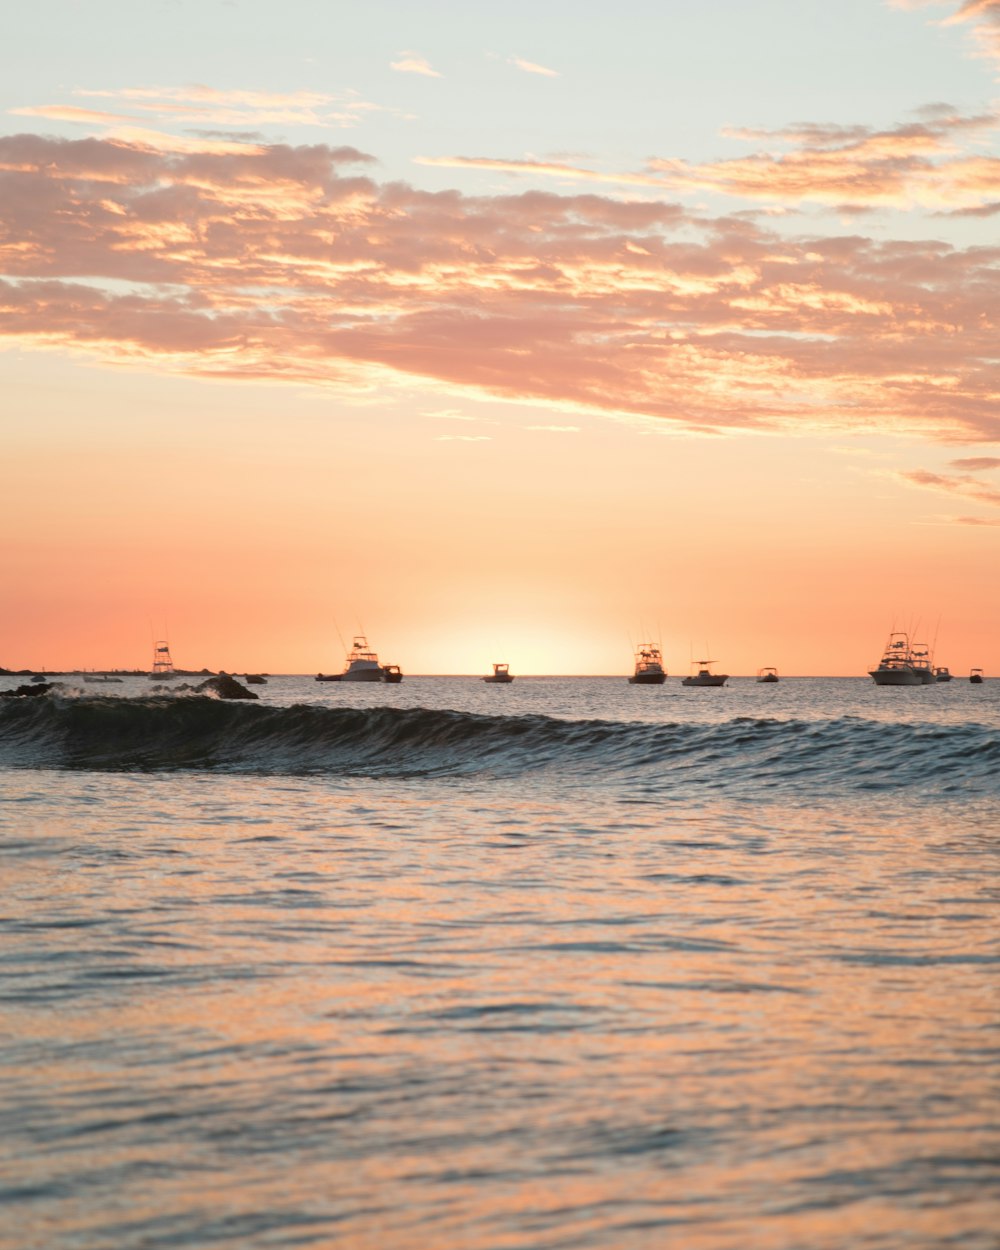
(204, 733)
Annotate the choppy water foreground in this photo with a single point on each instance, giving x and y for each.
(538, 996)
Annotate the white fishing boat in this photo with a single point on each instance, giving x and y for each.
(649, 670)
(767, 674)
(898, 665)
(163, 665)
(703, 676)
(942, 673)
(362, 662)
(501, 675)
(362, 665)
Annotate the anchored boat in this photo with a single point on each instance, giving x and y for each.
(362, 665)
(163, 665)
(704, 676)
(649, 670)
(501, 675)
(901, 665)
(767, 674)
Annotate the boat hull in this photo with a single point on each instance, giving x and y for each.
(498, 681)
(362, 674)
(896, 677)
(647, 679)
(705, 681)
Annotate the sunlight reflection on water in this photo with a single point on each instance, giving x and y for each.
(246, 1011)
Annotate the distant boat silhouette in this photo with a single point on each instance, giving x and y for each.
(649, 670)
(501, 675)
(767, 674)
(362, 665)
(163, 665)
(976, 676)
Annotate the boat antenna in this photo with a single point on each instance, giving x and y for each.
(340, 636)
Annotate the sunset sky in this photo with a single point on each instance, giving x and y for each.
(517, 332)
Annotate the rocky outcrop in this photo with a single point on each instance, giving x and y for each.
(226, 687)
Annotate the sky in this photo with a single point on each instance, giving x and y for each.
(523, 332)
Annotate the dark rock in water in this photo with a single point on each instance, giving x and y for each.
(255, 679)
(27, 691)
(227, 687)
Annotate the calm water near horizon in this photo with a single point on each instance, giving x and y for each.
(567, 963)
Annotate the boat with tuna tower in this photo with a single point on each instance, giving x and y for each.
(902, 664)
(649, 670)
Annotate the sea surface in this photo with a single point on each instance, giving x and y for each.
(452, 966)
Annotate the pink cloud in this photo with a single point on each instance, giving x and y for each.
(955, 484)
(977, 464)
(532, 67)
(850, 168)
(289, 263)
(70, 113)
(413, 63)
(917, 163)
(984, 17)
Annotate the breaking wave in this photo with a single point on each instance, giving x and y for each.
(207, 734)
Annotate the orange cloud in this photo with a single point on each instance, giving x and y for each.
(849, 168)
(958, 484)
(984, 16)
(531, 67)
(288, 263)
(412, 63)
(854, 167)
(211, 106)
(977, 464)
(70, 113)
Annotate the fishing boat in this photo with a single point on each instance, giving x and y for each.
(163, 665)
(501, 675)
(898, 666)
(922, 663)
(704, 675)
(941, 673)
(649, 670)
(392, 674)
(361, 665)
(976, 676)
(767, 674)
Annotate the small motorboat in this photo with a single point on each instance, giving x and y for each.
(392, 674)
(329, 677)
(767, 674)
(941, 673)
(704, 676)
(976, 676)
(501, 675)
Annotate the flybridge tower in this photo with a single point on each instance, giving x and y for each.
(163, 665)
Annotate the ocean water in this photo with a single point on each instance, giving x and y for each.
(450, 966)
